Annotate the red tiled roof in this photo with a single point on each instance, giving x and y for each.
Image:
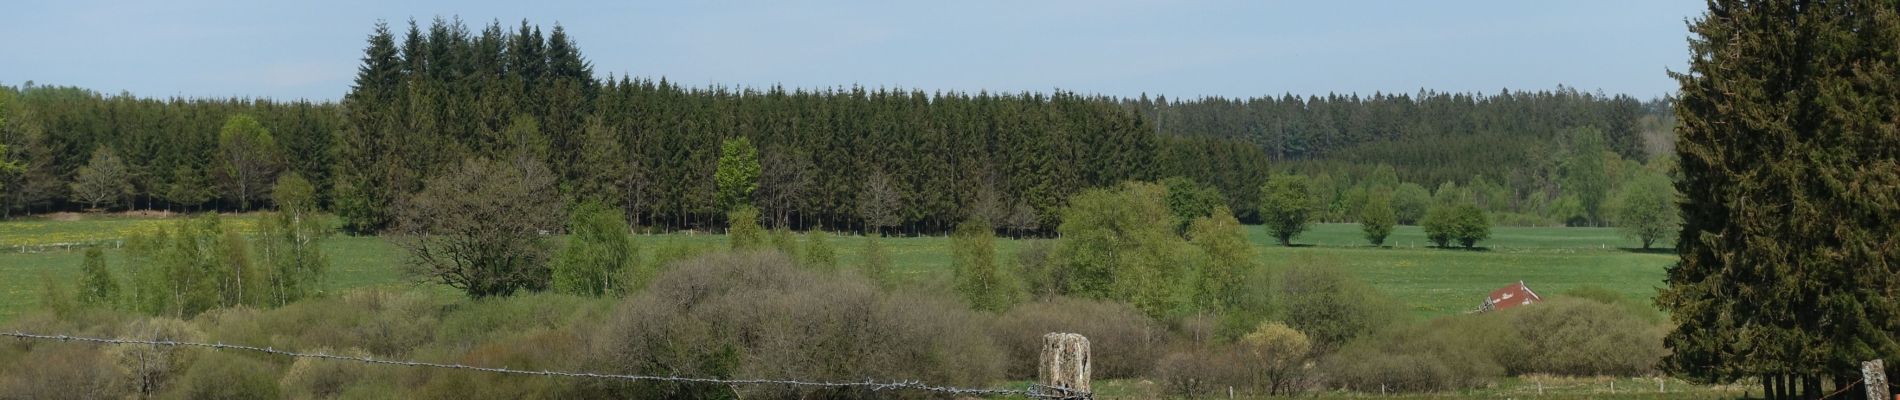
(1512, 295)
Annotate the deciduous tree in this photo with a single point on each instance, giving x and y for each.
(104, 180)
(482, 227)
(1286, 206)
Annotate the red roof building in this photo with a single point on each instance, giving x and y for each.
(1512, 295)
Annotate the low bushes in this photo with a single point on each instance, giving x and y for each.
(1561, 336)
(759, 315)
(1136, 340)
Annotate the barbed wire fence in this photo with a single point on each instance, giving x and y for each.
(1033, 391)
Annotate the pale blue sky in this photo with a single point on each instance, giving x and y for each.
(310, 49)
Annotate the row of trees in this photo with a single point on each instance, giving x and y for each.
(430, 96)
(206, 263)
(69, 148)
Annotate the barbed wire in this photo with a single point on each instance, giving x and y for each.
(1034, 391)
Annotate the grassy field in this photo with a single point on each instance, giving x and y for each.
(1428, 281)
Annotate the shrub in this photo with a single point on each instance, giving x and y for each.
(743, 230)
(480, 321)
(818, 251)
(1441, 354)
(62, 371)
(383, 322)
(875, 262)
(534, 349)
(758, 315)
(1275, 357)
(785, 242)
(1330, 305)
(220, 375)
(1136, 339)
(1580, 337)
(97, 287)
(150, 369)
(1194, 374)
(310, 378)
(983, 284)
(1038, 270)
(600, 255)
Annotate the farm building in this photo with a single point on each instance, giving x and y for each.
(1512, 295)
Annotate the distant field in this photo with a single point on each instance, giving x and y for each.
(1428, 281)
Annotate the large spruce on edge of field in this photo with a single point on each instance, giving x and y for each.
(1791, 188)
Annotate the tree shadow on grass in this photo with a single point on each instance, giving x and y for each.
(1652, 250)
(1479, 249)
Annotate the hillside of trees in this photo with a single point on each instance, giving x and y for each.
(431, 95)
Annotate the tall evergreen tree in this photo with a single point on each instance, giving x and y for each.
(1788, 160)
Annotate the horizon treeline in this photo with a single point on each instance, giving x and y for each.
(429, 96)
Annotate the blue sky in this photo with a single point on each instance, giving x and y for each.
(310, 49)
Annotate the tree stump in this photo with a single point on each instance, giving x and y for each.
(1874, 378)
(1065, 363)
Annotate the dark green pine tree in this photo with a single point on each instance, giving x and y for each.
(1788, 159)
(363, 168)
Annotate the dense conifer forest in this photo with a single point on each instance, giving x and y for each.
(428, 95)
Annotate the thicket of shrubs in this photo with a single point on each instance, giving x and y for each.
(1179, 303)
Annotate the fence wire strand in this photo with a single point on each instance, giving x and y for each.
(1034, 391)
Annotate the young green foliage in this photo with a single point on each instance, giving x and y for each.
(1286, 206)
(819, 253)
(248, 160)
(737, 174)
(1230, 259)
(875, 262)
(1119, 244)
(785, 242)
(1461, 223)
(1646, 209)
(1377, 218)
(1188, 200)
(983, 284)
(1410, 202)
(1470, 225)
(743, 230)
(97, 287)
(599, 255)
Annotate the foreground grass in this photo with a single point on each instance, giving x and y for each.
(1428, 281)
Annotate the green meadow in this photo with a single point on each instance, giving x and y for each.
(1428, 281)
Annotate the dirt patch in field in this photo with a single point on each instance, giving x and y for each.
(64, 216)
(148, 214)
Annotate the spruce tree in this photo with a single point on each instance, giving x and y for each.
(1788, 160)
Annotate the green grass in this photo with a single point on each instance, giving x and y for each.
(1428, 281)
(1432, 281)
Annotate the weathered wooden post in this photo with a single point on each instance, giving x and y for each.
(1874, 376)
(1065, 364)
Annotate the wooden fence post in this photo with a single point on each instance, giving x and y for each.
(1065, 364)
(1874, 377)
